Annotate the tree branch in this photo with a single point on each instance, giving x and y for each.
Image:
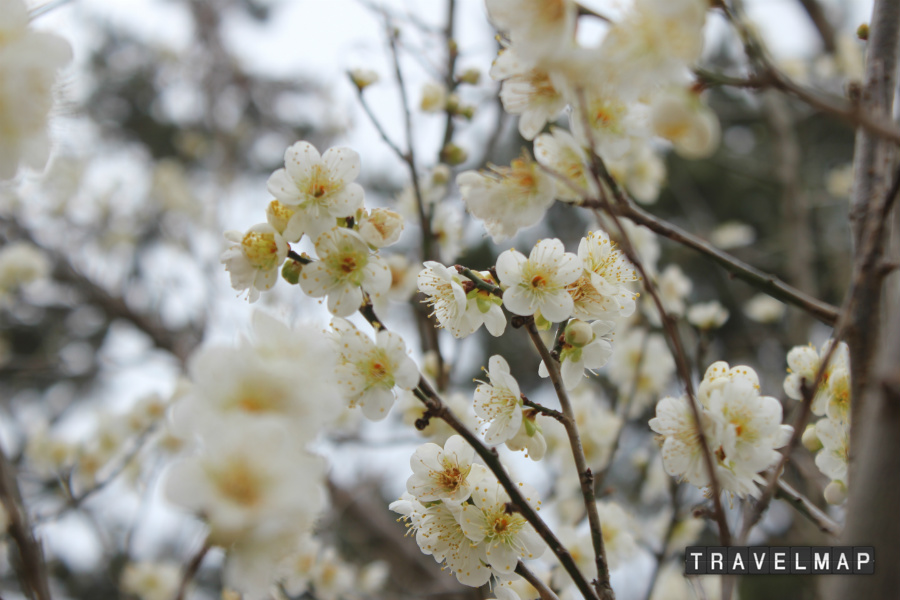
(585, 476)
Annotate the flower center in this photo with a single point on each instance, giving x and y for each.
(538, 282)
(450, 479)
(261, 250)
(240, 484)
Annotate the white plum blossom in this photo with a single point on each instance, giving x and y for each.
(681, 117)
(527, 91)
(682, 453)
(833, 458)
(529, 438)
(539, 283)
(380, 227)
(653, 45)
(20, 264)
(499, 402)
(446, 473)
(434, 97)
(151, 580)
(233, 385)
(707, 315)
(503, 537)
(29, 64)
(540, 28)
(345, 270)
(600, 119)
(249, 482)
(602, 290)
(368, 371)
(507, 198)
(640, 170)
(460, 311)
(742, 429)
(833, 396)
(587, 350)
(763, 308)
(319, 188)
(253, 259)
(560, 152)
(733, 234)
(439, 533)
(641, 367)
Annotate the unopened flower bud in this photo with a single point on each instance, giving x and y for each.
(362, 78)
(862, 32)
(453, 105)
(434, 97)
(835, 492)
(471, 76)
(453, 155)
(468, 112)
(578, 333)
(810, 440)
(291, 271)
(440, 174)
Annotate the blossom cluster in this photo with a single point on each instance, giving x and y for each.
(460, 515)
(316, 196)
(830, 435)
(742, 430)
(247, 469)
(589, 290)
(544, 70)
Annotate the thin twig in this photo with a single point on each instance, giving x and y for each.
(32, 571)
(585, 476)
(547, 412)
(536, 582)
(806, 508)
(191, 570)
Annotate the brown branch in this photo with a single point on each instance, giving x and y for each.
(191, 570)
(823, 26)
(765, 282)
(32, 570)
(585, 476)
(536, 582)
(438, 409)
(806, 508)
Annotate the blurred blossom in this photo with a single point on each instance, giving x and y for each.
(732, 234)
(763, 308)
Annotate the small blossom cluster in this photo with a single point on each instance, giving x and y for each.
(742, 429)
(246, 470)
(499, 404)
(370, 371)
(543, 70)
(588, 289)
(460, 515)
(830, 435)
(316, 196)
